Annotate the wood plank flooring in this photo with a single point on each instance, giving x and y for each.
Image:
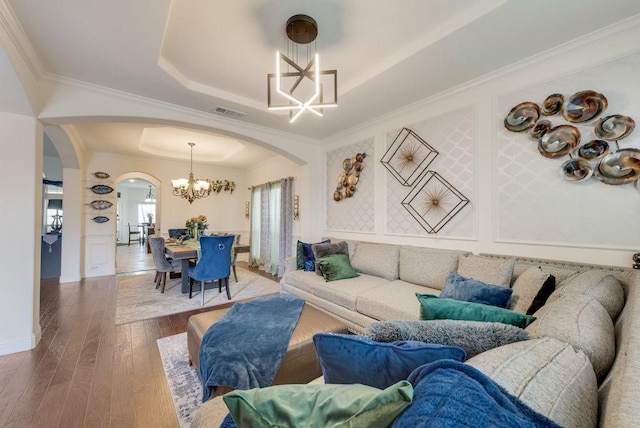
(86, 371)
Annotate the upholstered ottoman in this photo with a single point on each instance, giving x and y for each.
(300, 363)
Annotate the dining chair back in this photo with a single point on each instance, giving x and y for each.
(163, 265)
(214, 263)
(135, 234)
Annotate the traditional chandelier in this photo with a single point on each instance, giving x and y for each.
(191, 188)
(150, 197)
(301, 88)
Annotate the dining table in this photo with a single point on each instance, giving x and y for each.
(188, 250)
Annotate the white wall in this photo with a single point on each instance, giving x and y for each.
(21, 162)
(519, 204)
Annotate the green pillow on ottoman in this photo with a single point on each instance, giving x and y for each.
(434, 308)
(318, 405)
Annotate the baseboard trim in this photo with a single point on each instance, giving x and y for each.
(12, 346)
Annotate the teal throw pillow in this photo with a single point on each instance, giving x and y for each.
(318, 405)
(470, 290)
(434, 308)
(348, 358)
(336, 266)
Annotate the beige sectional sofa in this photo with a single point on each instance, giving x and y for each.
(582, 364)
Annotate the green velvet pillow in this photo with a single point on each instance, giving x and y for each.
(299, 256)
(434, 308)
(318, 405)
(336, 266)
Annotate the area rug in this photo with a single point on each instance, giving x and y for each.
(139, 300)
(184, 382)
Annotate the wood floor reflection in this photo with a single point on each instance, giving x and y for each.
(86, 371)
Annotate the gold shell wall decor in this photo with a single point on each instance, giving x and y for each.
(522, 117)
(595, 158)
(349, 177)
(614, 128)
(584, 105)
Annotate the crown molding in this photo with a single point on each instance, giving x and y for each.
(19, 39)
(212, 120)
(604, 35)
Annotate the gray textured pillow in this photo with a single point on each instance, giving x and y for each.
(472, 336)
(598, 284)
(326, 249)
(429, 268)
(582, 322)
(549, 376)
(527, 287)
(489, 271)
(377, 260)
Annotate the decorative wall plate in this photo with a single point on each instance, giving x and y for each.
(433, 202)
(576, 170)
(552, 104)
(614, 127)
(583, 106)
(594, 149)
(100, 219)
(101, 189)
(559, 141)
(542, 127)
(101, 175)
(100, 205)
(522, 117)
(620, 167)
(408, 157)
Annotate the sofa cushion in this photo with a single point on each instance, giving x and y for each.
(347, 358)
(328, 248)
(318, 405)
(474, 337)
(560, 273)
(600, 285)
(335, 266)
(549, 376)
(531, 290)
(392, 301)
(582, 322)
(471, 290)
(377, 259)
(426, 267)
(487, 270)
(434, 308)
(345, 293)
(306, 281)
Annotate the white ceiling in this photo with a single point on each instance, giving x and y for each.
(206, 53)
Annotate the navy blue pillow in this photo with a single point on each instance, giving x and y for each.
(309, 260)
(471, 290)
(348, 359)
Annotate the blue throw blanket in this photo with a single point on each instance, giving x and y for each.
(245, 348)
(448, 393)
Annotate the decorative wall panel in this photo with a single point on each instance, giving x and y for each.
(535, 203)
(356, 213)
(452, 135)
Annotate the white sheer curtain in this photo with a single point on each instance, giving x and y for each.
(271, 225)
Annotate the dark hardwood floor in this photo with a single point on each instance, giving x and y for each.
(86, 371)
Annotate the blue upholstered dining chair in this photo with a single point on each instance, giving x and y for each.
(214, 263)
(163, 265)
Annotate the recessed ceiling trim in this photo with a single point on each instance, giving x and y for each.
(445, 29)
(19, 39)
(192, 85)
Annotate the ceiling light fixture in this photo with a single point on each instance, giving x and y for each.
(302, 89)
(150, 198)
(191, 188)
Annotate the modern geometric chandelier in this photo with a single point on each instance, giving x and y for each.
(300, 89)
(191, 188)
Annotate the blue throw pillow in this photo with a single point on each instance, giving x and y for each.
(470, 290)
(348, 359)
(309, 260)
